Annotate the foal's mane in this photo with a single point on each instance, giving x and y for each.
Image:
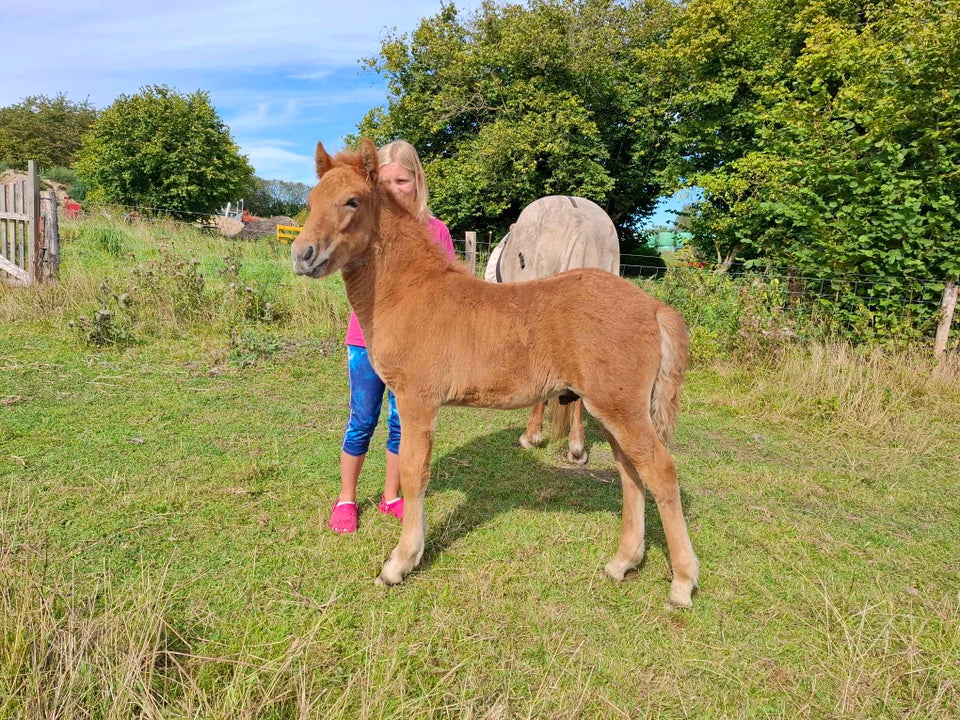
(348, 157)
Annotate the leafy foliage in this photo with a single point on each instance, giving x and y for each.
(823, 136)
(275, 197)
(161, 149)
(515, 103)
(877, 107)
(48, 130)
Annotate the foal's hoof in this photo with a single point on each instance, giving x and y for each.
(616, 569)
(388, 579)
(530, 442)
(680, 595)
(394, 571)
(580, 459)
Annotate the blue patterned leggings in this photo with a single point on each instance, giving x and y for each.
(366, 400)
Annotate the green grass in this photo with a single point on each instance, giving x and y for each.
(163, 550)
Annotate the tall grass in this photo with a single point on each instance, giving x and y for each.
(170, 275)
(163, 551)
(864, 389)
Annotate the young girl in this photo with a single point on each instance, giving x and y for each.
(401, 174)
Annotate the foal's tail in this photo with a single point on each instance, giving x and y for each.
(674, 360)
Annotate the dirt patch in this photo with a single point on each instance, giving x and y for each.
(11, 176)
(264, 226)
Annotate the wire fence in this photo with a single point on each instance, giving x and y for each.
(852, 305)
(205, 222)
(782, 302)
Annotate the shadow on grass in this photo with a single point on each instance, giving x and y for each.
(498, 476)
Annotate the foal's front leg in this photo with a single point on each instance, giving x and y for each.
(533, 435)
(416, 443)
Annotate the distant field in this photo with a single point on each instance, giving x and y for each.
(163, 550)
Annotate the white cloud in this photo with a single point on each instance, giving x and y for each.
(285, 69)
(118, 37)
(265, 115)
(316, 75)
(274, 160)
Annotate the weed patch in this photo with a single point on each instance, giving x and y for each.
(250, 345)
(111, 323)
(173, 287)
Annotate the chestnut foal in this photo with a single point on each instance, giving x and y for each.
(438, 336)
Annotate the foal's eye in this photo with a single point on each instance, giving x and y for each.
(353, 202)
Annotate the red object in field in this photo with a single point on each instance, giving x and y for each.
(248, 217)
(71, 207)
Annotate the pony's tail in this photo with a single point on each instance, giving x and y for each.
(674, 360)
(561, 417)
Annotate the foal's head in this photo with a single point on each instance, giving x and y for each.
(342, 211)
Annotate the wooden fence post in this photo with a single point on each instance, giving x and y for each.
(471, 251)
(947, 307)
(32, 203)
(50, 263)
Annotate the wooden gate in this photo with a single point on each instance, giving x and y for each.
(20, 227)
(25, 257)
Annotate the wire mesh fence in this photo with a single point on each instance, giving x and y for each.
(778, 303)
(772, 303)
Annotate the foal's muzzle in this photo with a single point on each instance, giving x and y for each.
(310, 261)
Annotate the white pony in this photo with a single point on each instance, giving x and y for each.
(554, 234)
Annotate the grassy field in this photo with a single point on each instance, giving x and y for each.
(163, 549)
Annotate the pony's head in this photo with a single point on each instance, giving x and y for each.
(342, 211)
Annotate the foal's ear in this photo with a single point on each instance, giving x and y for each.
(324, 162)
(369, 160)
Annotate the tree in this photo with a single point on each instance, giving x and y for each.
(48, 130)
(515, 103)
(824, 138)
(716, 70)
(165, 150)
(866, 130)
(275, 197)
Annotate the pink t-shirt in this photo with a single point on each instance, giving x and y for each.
(441, 236)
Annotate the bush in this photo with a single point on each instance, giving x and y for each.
(59, 174)
(163, 149)
(745, 316)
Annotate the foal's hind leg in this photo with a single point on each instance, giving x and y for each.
(651, 460)
(416, 444)
(576, 442)
(533, 435)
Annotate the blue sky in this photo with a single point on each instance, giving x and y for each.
(282, 74)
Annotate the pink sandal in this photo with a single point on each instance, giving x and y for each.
(343, 519)
(394, 507)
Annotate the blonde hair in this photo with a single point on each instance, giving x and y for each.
(405, 155)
